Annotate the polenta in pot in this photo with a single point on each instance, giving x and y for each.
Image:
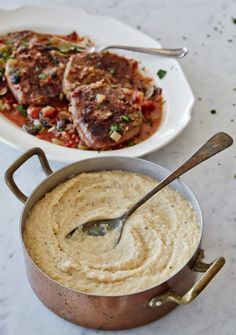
(158, 239)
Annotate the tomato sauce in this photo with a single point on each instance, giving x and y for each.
(151, 121)
(57, 127)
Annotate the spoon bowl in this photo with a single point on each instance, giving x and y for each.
(97, 227)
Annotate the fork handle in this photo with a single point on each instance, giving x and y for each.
(179, 53)
(215, 144)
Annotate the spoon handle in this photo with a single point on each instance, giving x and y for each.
(215, 144)
(179, 53)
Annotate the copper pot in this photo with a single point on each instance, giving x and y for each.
(111, 312)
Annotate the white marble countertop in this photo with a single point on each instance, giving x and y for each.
(206, 27)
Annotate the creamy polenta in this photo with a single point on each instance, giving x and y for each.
(158, 239)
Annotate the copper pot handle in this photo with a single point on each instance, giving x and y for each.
(210, 271)
(9, 174)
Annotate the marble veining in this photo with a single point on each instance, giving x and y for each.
(206, 27)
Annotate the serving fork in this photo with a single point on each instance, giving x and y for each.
(176, 53)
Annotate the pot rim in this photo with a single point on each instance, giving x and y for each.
(183, 183)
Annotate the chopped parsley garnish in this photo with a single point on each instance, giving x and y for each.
(25, 44)
(213, 111)
(66, 47)
(36, 68)
(21, 109)
(5, 55)
(161, 73)
(74, 48)
(42, 75)
(130, 143)
(114, 127)
(163, 102)
(9, 42)
(125, 118)
(234, 20)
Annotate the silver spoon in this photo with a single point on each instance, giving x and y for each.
(215, 144)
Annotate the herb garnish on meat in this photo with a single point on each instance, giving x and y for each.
(42, 75)
(21, 109)
(125, 118)
(114, 127)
